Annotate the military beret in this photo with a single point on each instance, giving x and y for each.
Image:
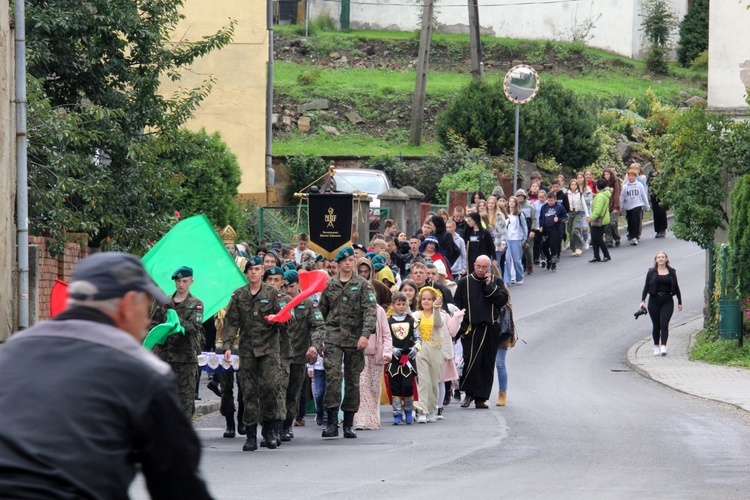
(319, 258)
(183, 272)
(289, 266)
(344, 253)
(370, 255)
(290, 277)
(273, 271)
(253, 261)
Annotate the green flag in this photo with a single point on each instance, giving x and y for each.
(193, 242)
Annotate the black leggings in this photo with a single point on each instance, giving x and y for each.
(660, 309)
(402, 386)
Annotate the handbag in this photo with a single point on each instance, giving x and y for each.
(507, 328)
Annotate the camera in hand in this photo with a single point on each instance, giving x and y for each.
(640, 312)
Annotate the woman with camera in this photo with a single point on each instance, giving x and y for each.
(661, 285)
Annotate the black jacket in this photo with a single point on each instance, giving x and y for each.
(650, 287)
(445, 240)
(94, 403)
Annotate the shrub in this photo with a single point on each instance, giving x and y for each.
(303, 171)
(309, 77)
(658, 24)
(693, 33)
(556, 123)
(739, 237)
(700, 61)
(474, 175)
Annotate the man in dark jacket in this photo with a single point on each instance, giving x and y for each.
(445, 240)
(552, 217)
(103, 425)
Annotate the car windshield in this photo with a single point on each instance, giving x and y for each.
(367, 183)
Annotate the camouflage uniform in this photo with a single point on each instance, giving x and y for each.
(307, 318)
(181, 351)
(258, 349)
(350, 313)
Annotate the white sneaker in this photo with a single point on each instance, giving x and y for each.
(519, 282)
(432, 417)
(657, 351)
(586, 245)
(635, 241)
(422, 418)
(663, 350)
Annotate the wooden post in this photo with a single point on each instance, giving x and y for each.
(475, 42)
(423, 63)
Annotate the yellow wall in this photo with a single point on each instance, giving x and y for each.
(236, 106)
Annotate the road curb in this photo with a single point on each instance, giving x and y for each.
(202, 409)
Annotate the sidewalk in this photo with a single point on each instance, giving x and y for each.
(209, 402)
(715, 382)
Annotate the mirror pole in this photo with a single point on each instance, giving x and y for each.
(515, 153)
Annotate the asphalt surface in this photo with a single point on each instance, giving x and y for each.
(581, 422)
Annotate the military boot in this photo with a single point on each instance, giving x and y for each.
(332, 430)
(349, 425)
(241, 429)
(251, 442)
(229, 433)
(287, 433)
(277, 431)
(240, 412)
(267, 432)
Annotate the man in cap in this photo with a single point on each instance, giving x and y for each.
(349, 308)
(258, 349)
(307, 319)
(181, 351)
(226, 381)
(127, 414)
(275, 277)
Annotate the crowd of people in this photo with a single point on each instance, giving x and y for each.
(427, 315)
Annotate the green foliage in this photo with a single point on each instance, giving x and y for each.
(739, 237)
(607, 155)
(556, 123)
(323, 23)
(658, 24)
(693, 33)
(303, 171)
(394, 167)
(622, 121)
(475, 175)
(207, 173)
(94, 77)
(700, 61)
(709, 348)
(697, 155)
(309, 77)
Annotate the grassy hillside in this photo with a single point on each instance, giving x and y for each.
(373, 74)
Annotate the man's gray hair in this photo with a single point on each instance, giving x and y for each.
(106, 306)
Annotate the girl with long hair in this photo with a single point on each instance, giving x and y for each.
(661, 286)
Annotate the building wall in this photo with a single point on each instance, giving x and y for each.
(616, 23)
(7, 177)
(728, 57)
(236, 106)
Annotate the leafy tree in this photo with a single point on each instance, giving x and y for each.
(658, 24)
(739, 237)
(303, 171)
(206, 173)
(556, 123)
(693, 33)
(98, 118)
(698, 155)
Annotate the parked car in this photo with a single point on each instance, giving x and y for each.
(362, 180)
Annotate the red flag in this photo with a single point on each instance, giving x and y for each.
(310, 282)
(58, 298)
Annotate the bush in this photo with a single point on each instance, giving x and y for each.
(475, 175)
(739, 238)
(556, 123)
(693, 33)
(309, 77)
(700, 61)
(208, 175)
(303, 171)
(394, 167)
(658, 24)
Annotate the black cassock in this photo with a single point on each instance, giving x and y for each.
(480, 334)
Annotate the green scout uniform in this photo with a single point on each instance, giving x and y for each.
(285, 347)
(350, 312)
(259, 349)
(181, 351)
(307, 319)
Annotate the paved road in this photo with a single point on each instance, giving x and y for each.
(579, 423)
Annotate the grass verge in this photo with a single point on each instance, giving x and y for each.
(710, 348)
(348, 145)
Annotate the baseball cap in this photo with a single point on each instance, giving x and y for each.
(109, 275)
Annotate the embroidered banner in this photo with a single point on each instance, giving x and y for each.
(329, 222)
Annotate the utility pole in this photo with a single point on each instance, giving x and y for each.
(477, 65)
(423, 63)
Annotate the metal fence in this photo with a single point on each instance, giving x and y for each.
(378, 217)
(281, 224)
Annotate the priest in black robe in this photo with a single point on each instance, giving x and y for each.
(482, 295)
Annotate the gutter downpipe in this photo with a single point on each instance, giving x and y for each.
(270, 174)
(22, 189)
